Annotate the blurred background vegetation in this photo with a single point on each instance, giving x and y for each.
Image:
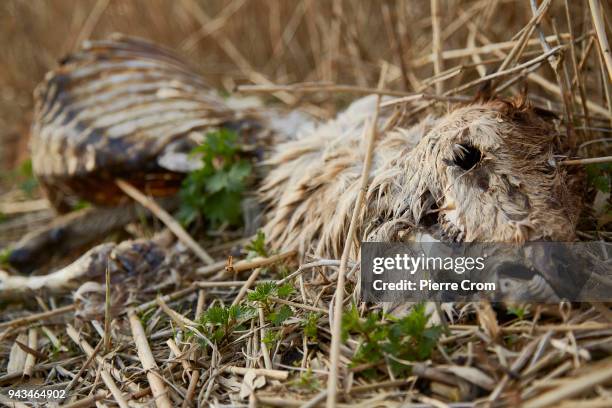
(253, 41)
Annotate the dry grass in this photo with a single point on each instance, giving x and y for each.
(554, 355)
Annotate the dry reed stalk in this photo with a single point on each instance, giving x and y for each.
(516, 366)
(213, 25)
(166, 298)
(89, 351)
(105, 369)
(260, 262)
(87, 401)
(308, 87)
(524, 35)
(484, 49)
(247, 285)
(262, 335)
(270, 373)
(30, 361)
(245, 66)
(244, 265)
(436, 43)
(219, 284)
(107, 309)
(178, 355)
(84, 367)
(549, 86)
(593, 160)
(90, 23)
(602, 38)
(298, 305)
(193, 382)
(332, 379)
(199, 310)
(178, 318)
(158, 386)
(20, 207)
(599, 375)
(166, 218)
(23, 321)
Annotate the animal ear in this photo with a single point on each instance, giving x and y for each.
(522, 103)
(484, 92)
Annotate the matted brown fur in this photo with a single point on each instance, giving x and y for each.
(514, 192)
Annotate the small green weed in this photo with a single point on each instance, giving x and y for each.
(519, 311)
(28, 181)
(307, 381)
(257, 246)
(218, 322)
(81, 204)
(310, 325)
(281, 314)
(407, 339)
(216, 189)
(273, 313)
(22, 177)
(5, 254)
(262, 293)
(599, 176)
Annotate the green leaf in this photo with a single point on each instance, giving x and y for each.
(407, 339)
(599, 176)
(284, 291)
(257, 246)
(215, 191)
(262, 292)
(278, 317)
(310, 325)
(270, 338)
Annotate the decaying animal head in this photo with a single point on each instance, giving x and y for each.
(483, 172)
(490, 175)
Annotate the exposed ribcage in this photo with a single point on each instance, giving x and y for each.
(109, 110)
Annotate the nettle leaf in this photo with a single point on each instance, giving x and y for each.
(408, 338)
(224, 206)
(262, 292)
(217, 182)
(284, 291)
(310, 325)
(237, 174)
(257, 246)
(282, 314)
(215, 190)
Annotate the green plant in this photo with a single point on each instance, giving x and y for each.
(23, 177)
(257, 246)
(26, 173)
(599, 176)
(310, 325)
(519, 311)
(215, 190)
(281, 314)
(264, 291)
(5, 254)
(262, 295)
(307, 381)
(219, 322)
(271, 338)
(405, 339)
(81, 204)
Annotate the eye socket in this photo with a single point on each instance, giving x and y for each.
(466, 156)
